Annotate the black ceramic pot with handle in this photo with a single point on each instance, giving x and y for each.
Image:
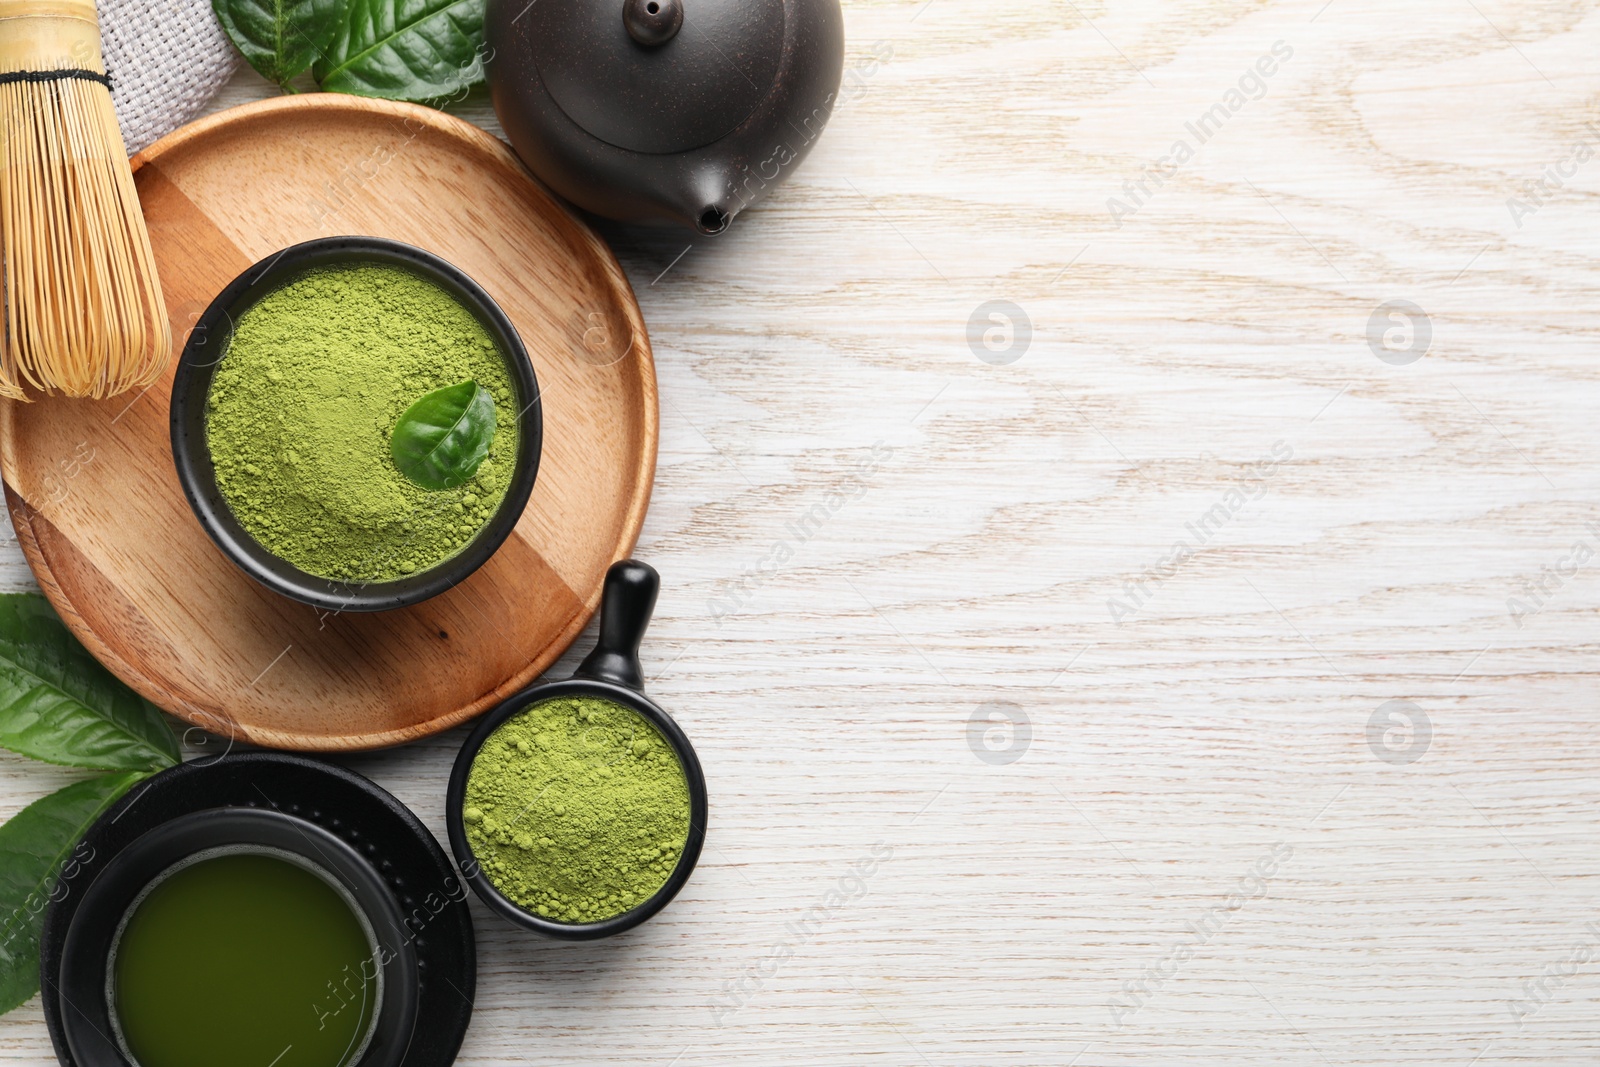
(664, 111)
(611, 672)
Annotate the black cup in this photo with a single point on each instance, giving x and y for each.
(86, 956)
(205, 348)
(611, 672)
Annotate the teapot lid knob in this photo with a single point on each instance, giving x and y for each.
(652, 23)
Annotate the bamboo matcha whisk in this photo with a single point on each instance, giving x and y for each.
(83, 308)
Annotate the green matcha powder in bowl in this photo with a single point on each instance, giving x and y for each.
(286, 444)
(577, 809)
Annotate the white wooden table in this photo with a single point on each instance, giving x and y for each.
(1189, 826)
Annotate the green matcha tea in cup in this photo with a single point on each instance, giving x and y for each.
(356, 423)
(578, 808)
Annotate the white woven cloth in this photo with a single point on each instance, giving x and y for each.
(166, 59)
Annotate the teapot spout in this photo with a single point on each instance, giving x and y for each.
(712, 220)
(707, 200)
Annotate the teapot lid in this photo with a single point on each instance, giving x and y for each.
(657, 76)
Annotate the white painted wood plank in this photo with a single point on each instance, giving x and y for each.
(1215, 723)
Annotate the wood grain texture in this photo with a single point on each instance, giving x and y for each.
(1171, 753)
(102, 519)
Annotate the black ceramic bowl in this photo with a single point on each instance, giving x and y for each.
(208, 343)
(359, 816)
(92, 1031)
(612, 673)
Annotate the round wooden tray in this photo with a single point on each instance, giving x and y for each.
(104, 524)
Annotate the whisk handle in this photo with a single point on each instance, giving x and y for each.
(50, 35)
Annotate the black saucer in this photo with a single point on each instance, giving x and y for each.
(431, 895)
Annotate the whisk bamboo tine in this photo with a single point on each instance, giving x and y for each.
(82, 308)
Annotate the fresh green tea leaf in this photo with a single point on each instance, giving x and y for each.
(58, 704)
(280, 38)
(442, 438)
(38, 843)
(405, 49)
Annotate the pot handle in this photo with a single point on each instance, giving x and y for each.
(626, 604)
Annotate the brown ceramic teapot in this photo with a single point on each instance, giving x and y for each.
(675, 111)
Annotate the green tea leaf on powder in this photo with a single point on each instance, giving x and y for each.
(441, 439)
(35, 846)
(405, 49)
(58, 704)
(280, 38)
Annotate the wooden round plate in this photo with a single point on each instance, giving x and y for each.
(104, 524)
